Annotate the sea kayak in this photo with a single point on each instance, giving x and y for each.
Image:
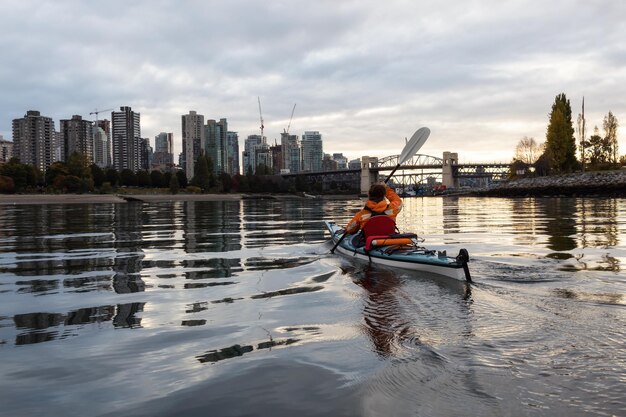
(412, 257)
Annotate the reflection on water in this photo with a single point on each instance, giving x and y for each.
(36, 325)
(202, 293)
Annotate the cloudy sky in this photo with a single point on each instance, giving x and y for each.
(366, 74)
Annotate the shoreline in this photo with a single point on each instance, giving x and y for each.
(579, 184)
(40, 199)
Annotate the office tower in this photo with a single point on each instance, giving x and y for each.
(193, 140)
(312, 152)
(232, 152)
(145, 154)
(102, 144)
(277, 158)
(292, 157)
(6, 150)
(342, 161)
(34, 140)
(216, 144)
(256, 152)
(163, 158)
(126, 137)
(328, 163)
(76, 136)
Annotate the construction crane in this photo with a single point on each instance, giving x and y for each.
(289, 125)
(261, 116)
(96, 113)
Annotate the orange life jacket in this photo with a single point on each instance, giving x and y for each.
(390, 206)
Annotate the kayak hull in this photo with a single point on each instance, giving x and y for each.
(415, 259)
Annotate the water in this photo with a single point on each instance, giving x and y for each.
(236, 308)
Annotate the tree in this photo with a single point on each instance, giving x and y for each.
(542, 165)
(157, 179)
(202, 176)
(23, 175)
(226, 181)
(610, 125)
(527, 150)
(55, 170)
(78, 165)
(181, 178)
(7, 185)
(112, 176)
(143, 179)
(98, 175)
(560, 142)
(174, 185)
(598, 150)
(128, 177)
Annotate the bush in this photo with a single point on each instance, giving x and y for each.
(192, 189)
(106, 188)
(7, 185)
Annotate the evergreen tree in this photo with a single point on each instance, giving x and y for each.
(112, 176)
(174, 185)
(560, 142)
(157, 178)
(128, 177)
(181, 178)
(98, 175)
(201, 177)
(143, 179)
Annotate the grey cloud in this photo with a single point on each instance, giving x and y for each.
(360, 71)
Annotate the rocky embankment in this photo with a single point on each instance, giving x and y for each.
(598, 183)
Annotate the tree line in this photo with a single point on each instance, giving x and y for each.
(559, 153)
(77, 175)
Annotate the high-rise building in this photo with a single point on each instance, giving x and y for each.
(312, 151)
(290, 148)
(126, 139)
(76, 136)
(328, 163)
(277, 157)
(232, 152)
(34, 140)
(145, 154)
(102, 144)
(342, 161)
(6, 150)
(256, 152)
(193, 140)
(216, 144)
(163, 158)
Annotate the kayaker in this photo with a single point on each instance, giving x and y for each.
(382, 200)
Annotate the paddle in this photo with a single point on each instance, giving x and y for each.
(412, 146)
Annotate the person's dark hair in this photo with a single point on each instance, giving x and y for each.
(377, 192)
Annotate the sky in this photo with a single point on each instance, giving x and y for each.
(366, 74)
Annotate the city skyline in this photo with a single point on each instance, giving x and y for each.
(480, 75)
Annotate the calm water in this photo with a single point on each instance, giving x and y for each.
(237, 308)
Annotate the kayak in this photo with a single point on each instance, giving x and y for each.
(412, 256)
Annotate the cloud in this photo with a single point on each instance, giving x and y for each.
(366, 74)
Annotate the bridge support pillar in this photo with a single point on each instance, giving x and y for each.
(367, 178)
(447, 179)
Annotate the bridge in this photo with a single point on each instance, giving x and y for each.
(421, 170)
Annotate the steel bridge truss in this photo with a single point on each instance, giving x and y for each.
(420, 170)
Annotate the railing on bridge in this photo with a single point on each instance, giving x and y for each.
(417, 160)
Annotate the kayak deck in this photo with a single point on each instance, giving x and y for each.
(412, 257)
